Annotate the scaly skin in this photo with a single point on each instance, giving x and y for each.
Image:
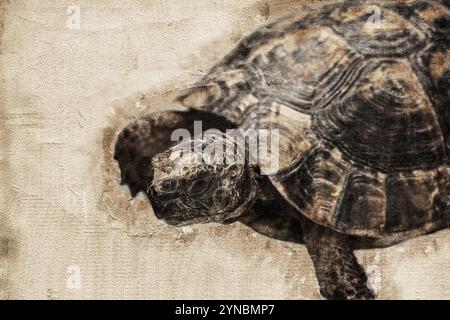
(339, 274)
(337, 270)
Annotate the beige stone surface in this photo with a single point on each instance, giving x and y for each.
(64, 95)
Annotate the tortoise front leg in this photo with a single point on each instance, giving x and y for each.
(338, 272)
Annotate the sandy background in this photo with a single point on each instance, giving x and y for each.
(68, 231)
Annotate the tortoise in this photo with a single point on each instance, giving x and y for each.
(362, 113)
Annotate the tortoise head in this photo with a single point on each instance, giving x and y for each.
(202, 180)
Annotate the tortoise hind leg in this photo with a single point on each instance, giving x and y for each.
(337, 269)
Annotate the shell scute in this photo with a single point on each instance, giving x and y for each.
(362, 110)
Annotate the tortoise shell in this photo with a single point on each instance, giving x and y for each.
(363, 111)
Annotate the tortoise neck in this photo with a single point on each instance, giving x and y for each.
(251, 189)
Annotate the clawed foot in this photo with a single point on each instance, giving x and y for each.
(339, 274)
(352, 287)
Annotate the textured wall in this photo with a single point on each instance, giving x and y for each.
(64, 95)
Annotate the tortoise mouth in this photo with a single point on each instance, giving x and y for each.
(166, 208)
(162, 204)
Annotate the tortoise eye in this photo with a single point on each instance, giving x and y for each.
(168, 185)
(198, 186)
(234, 170)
